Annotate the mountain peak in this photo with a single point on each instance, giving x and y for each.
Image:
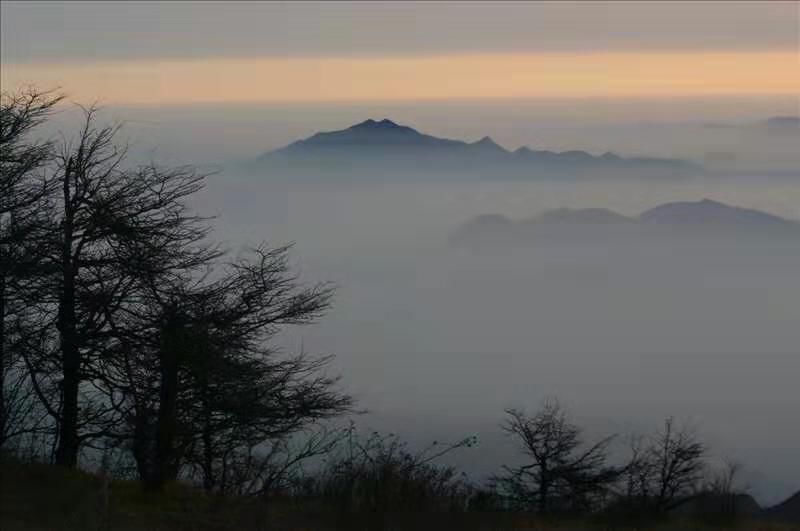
(376, 124)
(489, 144)
(608, 155)
(708, 202)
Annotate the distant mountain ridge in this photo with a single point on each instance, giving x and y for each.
(692, 218)
(391, 147)
(710, 213)
(783, 125)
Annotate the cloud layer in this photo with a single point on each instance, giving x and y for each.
(91, 31)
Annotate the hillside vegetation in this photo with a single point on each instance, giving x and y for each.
(45, 497)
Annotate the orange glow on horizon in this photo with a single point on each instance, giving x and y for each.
(277, 80)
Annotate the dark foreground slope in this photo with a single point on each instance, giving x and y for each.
(788, 511)
(42, 497)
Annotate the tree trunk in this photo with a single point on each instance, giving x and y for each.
(544, 490)
(143, 443)
(68, 442)
(165, 465)
(67, 451)
(208, 453)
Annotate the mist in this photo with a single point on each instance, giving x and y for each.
(435, 341)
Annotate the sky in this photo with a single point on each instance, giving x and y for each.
(134, 53)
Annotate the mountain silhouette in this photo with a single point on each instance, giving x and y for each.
(487, 145)
(382, 147)
(783, 125)
(370, 134)
(711, 213)
(682, 219)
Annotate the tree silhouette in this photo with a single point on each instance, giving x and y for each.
(24, 190)
(664, 468)
(562, 474)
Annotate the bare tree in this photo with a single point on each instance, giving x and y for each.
(563, 474)
(725, 481)
(24, 190)
(101, 207)
(135, 332)
(664, 468)
(201, 383)
(678, 458)
(729, 493)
